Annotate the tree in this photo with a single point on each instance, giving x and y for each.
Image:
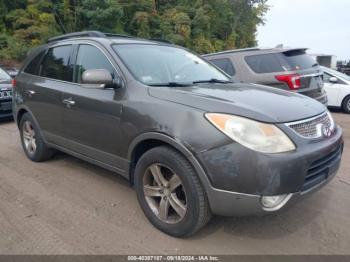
(201, 25)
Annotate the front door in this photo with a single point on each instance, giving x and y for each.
(92, 116)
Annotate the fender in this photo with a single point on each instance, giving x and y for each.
(23, 107)
(178, 146)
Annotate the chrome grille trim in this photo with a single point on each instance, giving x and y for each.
(5, 94)
(312, 127)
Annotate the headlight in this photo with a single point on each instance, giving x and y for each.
(266, 138)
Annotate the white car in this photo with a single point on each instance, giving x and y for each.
(337, 86)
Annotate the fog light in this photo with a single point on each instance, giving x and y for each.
(273, 203)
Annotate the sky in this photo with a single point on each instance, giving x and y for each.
(321, 25)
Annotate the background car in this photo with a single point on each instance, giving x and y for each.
(284, 68)
(337, 86)
(12, 71)
(5, 94)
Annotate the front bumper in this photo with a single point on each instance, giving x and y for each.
(238, 177)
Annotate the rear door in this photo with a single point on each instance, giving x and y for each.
(43, 93)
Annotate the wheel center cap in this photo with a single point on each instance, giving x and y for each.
(166, 192)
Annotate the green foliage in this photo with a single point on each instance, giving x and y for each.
(201, 25)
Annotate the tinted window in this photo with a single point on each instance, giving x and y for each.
(224, 64)
(56, 63)
(298, 60)
(33, 66)
(90, 57)
(268, 63)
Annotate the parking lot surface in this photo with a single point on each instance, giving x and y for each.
(67, 206)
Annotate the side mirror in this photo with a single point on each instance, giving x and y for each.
(99, 78)
(333, 80)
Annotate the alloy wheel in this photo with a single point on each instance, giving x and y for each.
(165, 193)
(29, 137)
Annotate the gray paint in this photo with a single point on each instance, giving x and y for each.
(104, 126)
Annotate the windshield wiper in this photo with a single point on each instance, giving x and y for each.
(213, 80)
(172, 84)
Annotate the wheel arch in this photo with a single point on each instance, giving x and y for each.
(19, 114)
(147, 141)
(343, 101)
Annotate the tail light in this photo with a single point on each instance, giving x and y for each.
(14, 83)
(293, 80)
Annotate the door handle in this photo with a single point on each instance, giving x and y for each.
(69, 102)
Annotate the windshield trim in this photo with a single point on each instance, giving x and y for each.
(165, 45)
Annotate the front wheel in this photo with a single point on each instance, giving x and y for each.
(346, 105)
(170, 193)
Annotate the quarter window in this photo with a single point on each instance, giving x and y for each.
(90, 57)
(224, 64)
(57, 64)
(33, 66)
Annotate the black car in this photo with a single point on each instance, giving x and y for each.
(5, 95)
(190, 141)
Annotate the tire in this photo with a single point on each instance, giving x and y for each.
(38, 151)
(346, 105)
(175, 169)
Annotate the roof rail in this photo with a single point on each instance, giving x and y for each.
(234, 51)
(161, 40)
(117, 35)
(97, 34)
(77, 34)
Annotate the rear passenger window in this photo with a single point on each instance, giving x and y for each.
(90, 57)
(268, 63)
(224, 64)
(34, 65)
(57, 64)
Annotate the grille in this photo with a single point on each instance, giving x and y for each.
(312, 128)
(5, 94)
(321, 169)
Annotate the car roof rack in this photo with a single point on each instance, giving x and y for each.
(161, 40)
(85, 34)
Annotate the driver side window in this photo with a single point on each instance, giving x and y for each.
(326, 77)
(90, 57)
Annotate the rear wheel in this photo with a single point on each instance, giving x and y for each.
(32, 142)
(346, 105)
(170, 193)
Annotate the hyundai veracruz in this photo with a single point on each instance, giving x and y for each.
(190, 141)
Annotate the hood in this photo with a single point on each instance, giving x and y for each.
(5, 85)
(262, 103)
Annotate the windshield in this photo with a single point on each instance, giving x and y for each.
(337, 74)
(157, 65)
(4, 76)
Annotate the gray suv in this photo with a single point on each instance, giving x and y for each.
(284, 68)
(190, 141)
